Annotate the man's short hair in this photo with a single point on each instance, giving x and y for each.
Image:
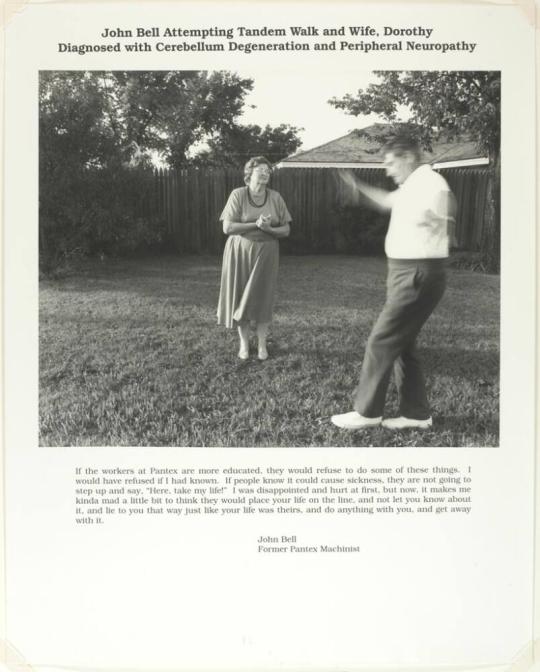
(401, 144)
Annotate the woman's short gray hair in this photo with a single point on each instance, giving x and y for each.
(252, 164)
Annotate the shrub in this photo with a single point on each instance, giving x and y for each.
(359, 230)
(96, 211)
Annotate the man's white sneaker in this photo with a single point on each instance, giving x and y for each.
(354, 420)
(406, 423)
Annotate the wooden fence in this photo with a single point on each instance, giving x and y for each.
(190, 202)
(470, 187)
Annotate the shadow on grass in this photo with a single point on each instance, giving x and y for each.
(450, 362)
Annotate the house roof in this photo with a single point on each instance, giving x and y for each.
(363, 146)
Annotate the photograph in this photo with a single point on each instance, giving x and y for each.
(269, 259)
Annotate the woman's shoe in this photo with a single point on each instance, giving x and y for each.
(262, 354)
(243, 353)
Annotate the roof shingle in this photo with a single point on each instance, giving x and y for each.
(364, 146)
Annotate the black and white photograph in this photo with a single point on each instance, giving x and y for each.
(269, 260)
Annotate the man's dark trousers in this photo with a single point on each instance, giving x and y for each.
(414, 288)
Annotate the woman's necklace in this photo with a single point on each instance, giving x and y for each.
(253, 203)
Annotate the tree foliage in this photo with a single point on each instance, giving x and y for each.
(456, 103)
(236, 144)
(91, 193)
(134, 115)
(169, 112)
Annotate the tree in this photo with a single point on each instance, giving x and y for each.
(91, 197)
(169, 112)
(236, 144)
(75, 124)
(457, 103)
(141, 113)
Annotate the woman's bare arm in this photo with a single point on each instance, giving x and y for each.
(281, 231)
(232, 228)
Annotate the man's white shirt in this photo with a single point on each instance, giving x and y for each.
(422, 214)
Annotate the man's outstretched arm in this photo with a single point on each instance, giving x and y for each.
(381, 199)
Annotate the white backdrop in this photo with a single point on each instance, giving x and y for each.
(194, 594)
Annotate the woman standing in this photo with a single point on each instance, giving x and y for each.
(254, 218)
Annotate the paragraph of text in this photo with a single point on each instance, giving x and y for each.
(105, 493)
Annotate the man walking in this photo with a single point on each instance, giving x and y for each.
(417, 246)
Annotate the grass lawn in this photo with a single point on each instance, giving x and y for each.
(130, 354)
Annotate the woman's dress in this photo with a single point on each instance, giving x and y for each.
(250, 261)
